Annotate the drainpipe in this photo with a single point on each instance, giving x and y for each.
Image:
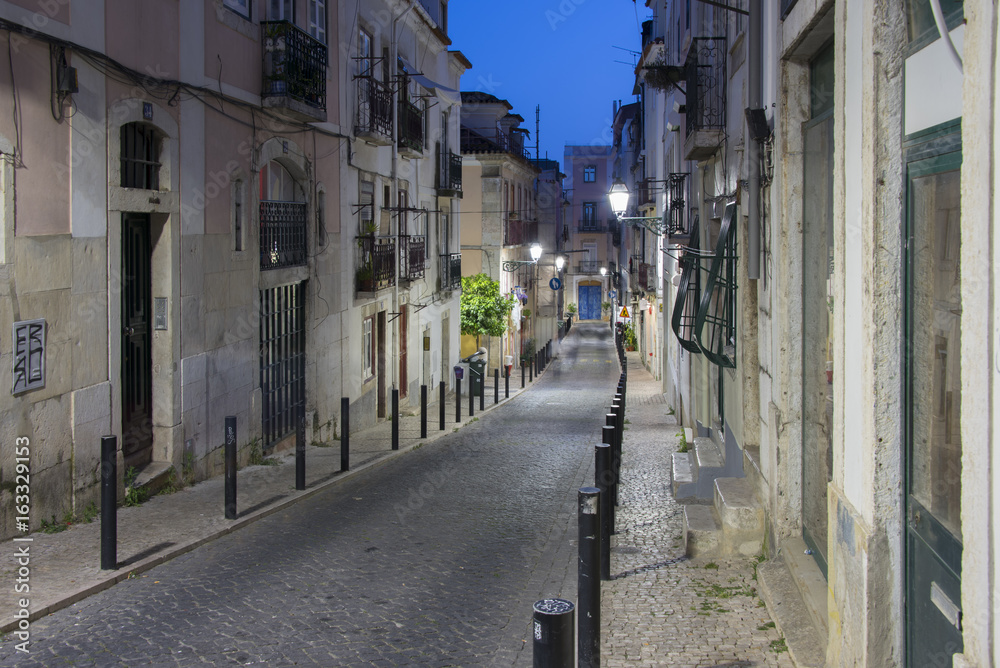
(754, 98)
(394, 229)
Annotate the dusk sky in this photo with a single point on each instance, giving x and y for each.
(559, 54)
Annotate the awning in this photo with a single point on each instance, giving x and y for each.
(449, 95)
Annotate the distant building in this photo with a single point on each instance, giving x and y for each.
(591, 230)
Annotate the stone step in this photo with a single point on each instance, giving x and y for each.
(708, 465)
(740, 515)
(701, 531)
(683, 476)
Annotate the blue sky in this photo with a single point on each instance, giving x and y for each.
(559, 54)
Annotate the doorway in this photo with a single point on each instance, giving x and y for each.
(137, 354)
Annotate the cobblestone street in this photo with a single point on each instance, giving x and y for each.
(435, 557)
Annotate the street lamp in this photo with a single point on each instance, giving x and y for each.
(604, 272)
(560, 262)
(536, 254)
(619, 195)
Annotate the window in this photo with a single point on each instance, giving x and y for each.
(241, 7)
(367, 215)
(443, 18)
(590, 174)
(317, 19)
(364, 53)
(277, 185)
(281, 10)
(367, 349)
(140, 155)
(589, 213)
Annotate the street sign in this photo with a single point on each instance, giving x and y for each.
(624, 313)
(612, 294)
(555, 284)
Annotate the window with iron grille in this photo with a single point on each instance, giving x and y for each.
(367, 348)
(282, 359)
(140, 156)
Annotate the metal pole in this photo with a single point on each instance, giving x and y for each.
(553, 623)
(458, 400)
(300, 449)
(109, 503)
(442, 390)
(482, 391)
(602, 478)
(589, 578)
(496, 386)
(472, 395)
(230, 459)
(506, 383)
(345, 434)
(423, 411)
(522, 374)
(395, 418)
(531, 369)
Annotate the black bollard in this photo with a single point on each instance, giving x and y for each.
(230, 460)
(442, 390)
(482, 391)
(602, 478)
(610, 436)
(300, 450)
(589, 578)
(531, 369)
(395, 418)
(553, 623)
(506, 383)
(472, 395)
(458, 400)
(522, 374)
(423, 411)
(496, 386)
(345, 434)
(109, 503)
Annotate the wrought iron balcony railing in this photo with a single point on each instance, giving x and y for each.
(411, 127)
(451, 271)
(412, 256)
(376, 263)
(294, 64)
(591, 225)
(283, 234)
(374, 107)
(449, 173)
(588, 267)
(706, 84)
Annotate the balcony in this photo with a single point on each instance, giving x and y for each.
(501, 142)
(283, 233)
(520, 232)
(293, 71)
(591, 225)
(376, 264)
(412, 257)
(374, 123)
(451, 271)
(449, 180)
(705, 118)
(589, 267)
(411, 129)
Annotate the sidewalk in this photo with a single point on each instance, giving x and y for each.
(660, 608)
(65, 566)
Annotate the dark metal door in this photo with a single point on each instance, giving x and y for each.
(403, 380)
(933, 399)
(137, 359)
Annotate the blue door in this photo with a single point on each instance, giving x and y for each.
(590, 302)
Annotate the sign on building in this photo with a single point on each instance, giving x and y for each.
(29, 355)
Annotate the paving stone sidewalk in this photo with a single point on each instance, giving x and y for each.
(65, 566)
(662, 609)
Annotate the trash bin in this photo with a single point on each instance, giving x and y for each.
(477, 371)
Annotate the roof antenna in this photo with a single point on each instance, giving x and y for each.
(537, 109)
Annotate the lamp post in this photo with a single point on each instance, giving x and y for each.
(536, 254)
